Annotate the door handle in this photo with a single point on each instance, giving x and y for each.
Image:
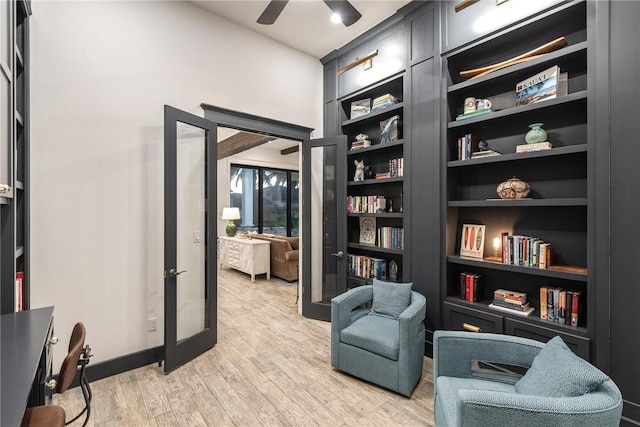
(174, 273)
(339, 254)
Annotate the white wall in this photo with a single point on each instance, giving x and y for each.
(101, 73)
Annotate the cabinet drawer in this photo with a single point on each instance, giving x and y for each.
(579, 345)
(460, 318)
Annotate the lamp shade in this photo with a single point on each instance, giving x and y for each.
(230, 213)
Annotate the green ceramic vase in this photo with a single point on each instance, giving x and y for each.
(536, 134)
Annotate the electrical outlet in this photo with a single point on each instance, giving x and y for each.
(153, 324)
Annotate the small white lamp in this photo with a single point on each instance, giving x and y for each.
(231, 214)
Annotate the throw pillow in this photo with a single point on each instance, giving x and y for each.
(389, 298)
(557, 372)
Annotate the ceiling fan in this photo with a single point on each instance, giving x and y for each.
(348, 14)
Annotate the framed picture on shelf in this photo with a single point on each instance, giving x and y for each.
(472, 241)
(367, 230)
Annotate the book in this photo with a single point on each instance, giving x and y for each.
(575, 308)
(538, 146)
(539, 87)
(476, 113)
(360, 108)
(517, 307)
(19, 291)
(485, 153)
(463, 286)
(509, 310)
(467, 145)
(389, 129)
(543, 303)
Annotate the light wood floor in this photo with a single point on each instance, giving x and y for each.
(270, 367)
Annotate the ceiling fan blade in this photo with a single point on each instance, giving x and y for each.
(347, 12)
(272, 11)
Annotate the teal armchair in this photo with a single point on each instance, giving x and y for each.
(386, 350)
(558, 389)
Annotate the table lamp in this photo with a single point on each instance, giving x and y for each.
(231, 214)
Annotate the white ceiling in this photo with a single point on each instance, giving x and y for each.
(304, 24)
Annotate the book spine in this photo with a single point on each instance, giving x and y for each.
(477, 289)
(550, 304)
(463, 286)
(568, 310)
(469, 287)
(556, 304)
(543, 303)
(562, 305)
(575, 308)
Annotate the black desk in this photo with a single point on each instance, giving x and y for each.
(24, 361)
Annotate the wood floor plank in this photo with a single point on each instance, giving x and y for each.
(270, 367)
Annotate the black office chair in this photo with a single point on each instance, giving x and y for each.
(78, 357)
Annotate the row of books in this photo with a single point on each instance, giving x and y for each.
(384, 101)
(560, 306)
(526, 251)
(515, 302)
(391, 237)
(470, 286)
(368, 267)
(366, 204)
(467, 145)
(396, 167)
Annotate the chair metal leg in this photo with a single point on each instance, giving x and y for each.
(84, 386)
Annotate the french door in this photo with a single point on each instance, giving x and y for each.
(190, 276)
(324, 224)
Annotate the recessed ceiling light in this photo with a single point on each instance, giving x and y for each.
(335, 18)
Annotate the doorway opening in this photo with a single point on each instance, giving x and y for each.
(265, 153)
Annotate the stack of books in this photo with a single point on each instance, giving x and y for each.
(467, 145)
(511, 302)
(360, 143)
(384, 101)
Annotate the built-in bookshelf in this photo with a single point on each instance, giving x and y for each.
(383, 180)
(14, 198)
(558, 208)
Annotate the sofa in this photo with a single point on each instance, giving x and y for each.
(284, 255)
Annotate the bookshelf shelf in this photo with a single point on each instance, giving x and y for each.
(556, 103)
(372, 248)
(453, 259)
(516, 157)
(578, 201)
(377, 147)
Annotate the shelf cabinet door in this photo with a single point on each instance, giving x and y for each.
(458, 318)
(579, 345)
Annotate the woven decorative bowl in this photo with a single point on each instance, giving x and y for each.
(513, 188)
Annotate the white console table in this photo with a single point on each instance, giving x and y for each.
(251, 256)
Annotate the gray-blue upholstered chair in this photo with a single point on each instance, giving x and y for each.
(558, 389)
(384, 347)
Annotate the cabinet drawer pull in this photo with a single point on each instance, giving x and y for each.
(471, 328)
(53, 341)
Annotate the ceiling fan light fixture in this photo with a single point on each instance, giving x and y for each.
(335, 18)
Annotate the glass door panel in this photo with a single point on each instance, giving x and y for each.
(324, 216)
